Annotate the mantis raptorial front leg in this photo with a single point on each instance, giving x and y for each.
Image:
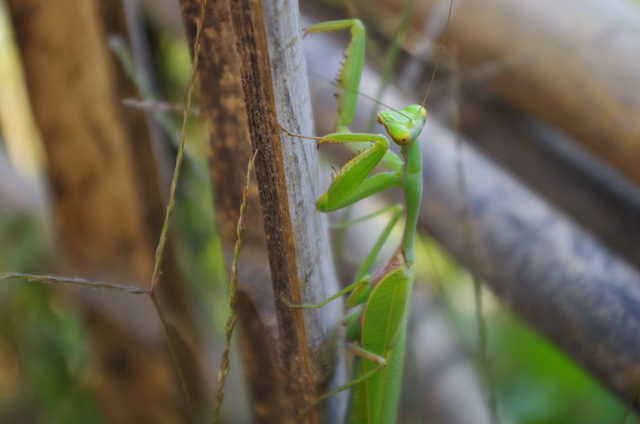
(349, 77)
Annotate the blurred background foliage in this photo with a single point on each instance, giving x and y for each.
(534, 381)
(44, 365)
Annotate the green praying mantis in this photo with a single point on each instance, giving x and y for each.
(377, 321)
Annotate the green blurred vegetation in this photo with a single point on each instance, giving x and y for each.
(535, 382)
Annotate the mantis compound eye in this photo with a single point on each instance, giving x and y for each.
(401, 137)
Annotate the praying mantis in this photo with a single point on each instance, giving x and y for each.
(377, 321)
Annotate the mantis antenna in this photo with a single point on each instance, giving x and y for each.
(433, 75)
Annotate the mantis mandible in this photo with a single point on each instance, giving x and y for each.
(376, 323)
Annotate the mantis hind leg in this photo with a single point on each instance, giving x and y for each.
(364, 354)
(396, 213)
(359, 288)
(356, 287)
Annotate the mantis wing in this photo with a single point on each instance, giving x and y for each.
(375, 400)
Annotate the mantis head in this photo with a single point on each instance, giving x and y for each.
(404, 125)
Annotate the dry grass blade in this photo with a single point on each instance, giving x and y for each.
(47, 279)
(231, 321)
(149, 104)
(180, 154)
(170, 206)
